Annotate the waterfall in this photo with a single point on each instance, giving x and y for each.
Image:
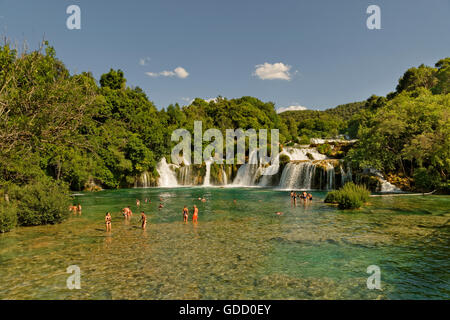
(224, 177)
(142, 181)
(298, 175)
(186, 175)
(167, 177)
(208, 173)
(249, 172)
(388, 187)
(330, 176)
(302, 154)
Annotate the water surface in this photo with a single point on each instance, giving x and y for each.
(238, 250)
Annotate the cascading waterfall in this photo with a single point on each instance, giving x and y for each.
(330, 176)
(167, 176)
(298, 175)
(249, 172)
(142, 181)
(224, 177)
(208, 173)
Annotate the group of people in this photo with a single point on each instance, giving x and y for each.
(127, 213)
(75, 209)
(303, 196)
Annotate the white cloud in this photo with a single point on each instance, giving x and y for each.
(144, 61)
(291, 108)
(179, 72)
(268, 71)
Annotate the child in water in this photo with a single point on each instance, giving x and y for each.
(108, 221)
(143, 220)
(195, 215)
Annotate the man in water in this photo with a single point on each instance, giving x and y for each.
(79, 209)
(185, 214)
(143, 220)
(160, 206)
(73, 209)
(138, 203)
(195, 215)
(108, 221)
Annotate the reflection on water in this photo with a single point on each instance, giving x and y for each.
(240, 249)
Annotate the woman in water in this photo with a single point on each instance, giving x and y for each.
(143, 220)
(108, 221)
(185, 214)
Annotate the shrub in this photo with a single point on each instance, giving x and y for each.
(8, 216)
(350, 196)
(426, 180)
(44, 201)
(304, 140)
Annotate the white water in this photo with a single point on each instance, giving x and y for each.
(167, 176)
(207, 182)
(297, 175)
(302, 154)
(142, 181)
(249, 172)
(224, 177)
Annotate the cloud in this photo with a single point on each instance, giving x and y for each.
(291, 108)
(268, 71)
(181, 72)
(177, 72)
(144, 61)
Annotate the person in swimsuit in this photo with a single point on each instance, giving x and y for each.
(73, 209)
(195, 215)
(309, 196)
(185, 214)
(138, 203)
(143, 220)
(129, 213)
(79, 209)
(160, 206)
(108, 221)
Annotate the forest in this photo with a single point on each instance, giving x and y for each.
(62, 132)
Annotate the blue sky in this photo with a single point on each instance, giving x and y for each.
(326, 55)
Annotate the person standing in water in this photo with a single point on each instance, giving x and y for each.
(138, 203)
(195, 215)
(79, 209)
(108, 222)
(143, 220)
(185, 214)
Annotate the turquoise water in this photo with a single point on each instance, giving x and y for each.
(237, 250)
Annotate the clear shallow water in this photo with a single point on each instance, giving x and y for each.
(239, 250)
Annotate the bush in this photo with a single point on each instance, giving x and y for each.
(426, 180)
(8, 217)
(350, 196)
(41, 202)
(304, 140)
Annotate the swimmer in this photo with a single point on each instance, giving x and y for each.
(279, 213)
(203, 200)
(79, 209)
(138, 203)
(129, 213)
(73, 209)
(309, 197)
(143, 220)
(195, 215)
(146, 200)
(185, 214)
(160, 206)
(108, 221)
(200, 199)
(234, 201)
